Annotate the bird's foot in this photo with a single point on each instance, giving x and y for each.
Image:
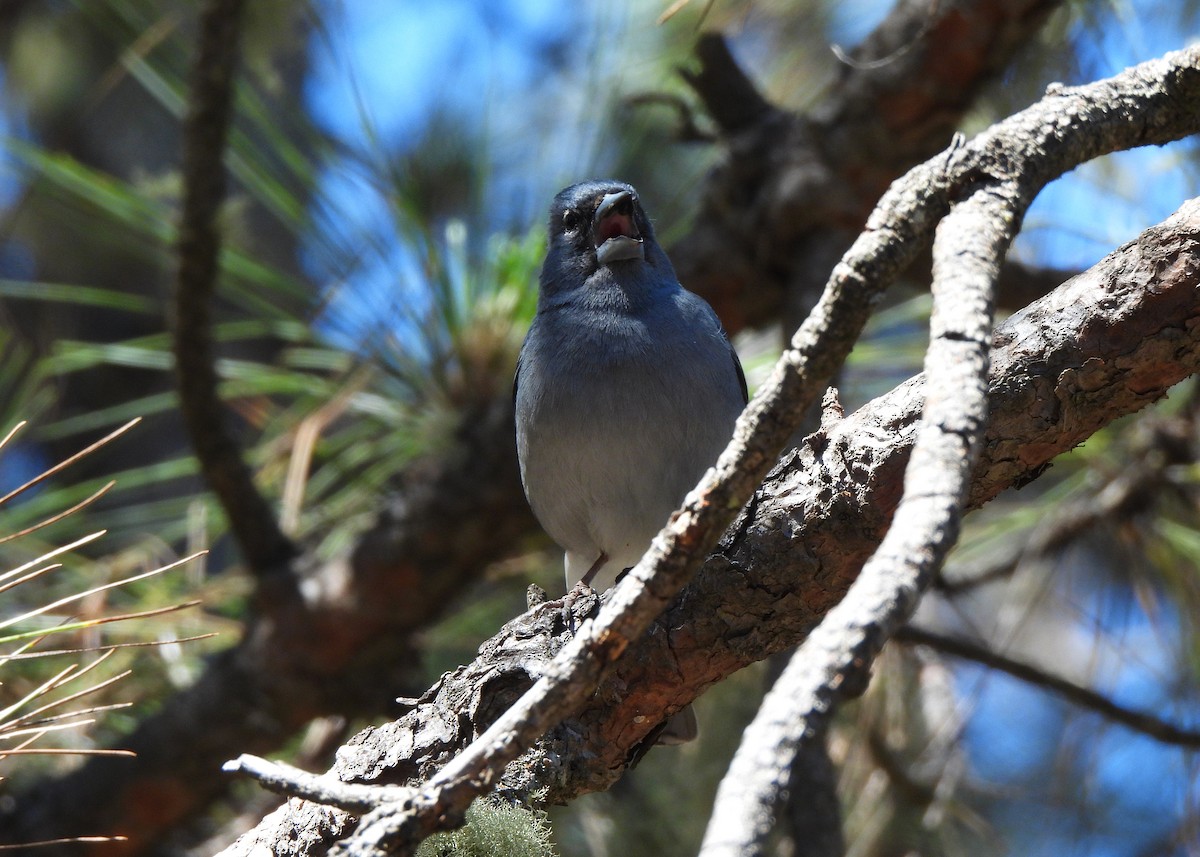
(577, 593)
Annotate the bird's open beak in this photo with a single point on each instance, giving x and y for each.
(614, 229)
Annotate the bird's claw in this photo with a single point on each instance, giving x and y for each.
(568, 602)
(578, 591)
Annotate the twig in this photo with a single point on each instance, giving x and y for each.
(286, 779)
(205, 131)
(1146, 724)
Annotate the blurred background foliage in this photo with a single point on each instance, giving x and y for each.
(391, 165)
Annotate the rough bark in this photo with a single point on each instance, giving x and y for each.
(1105, 344)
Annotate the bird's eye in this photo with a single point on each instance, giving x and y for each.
(570, 220)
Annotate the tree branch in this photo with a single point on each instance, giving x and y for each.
(833, 661)
(1146, 724)
(288, 780)
(728, 94)
(205, 130)
(836, 492)
(793, 185)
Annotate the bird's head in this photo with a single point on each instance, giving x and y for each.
(599, 226)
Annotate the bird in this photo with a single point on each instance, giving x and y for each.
(627, 387)
(626, 390)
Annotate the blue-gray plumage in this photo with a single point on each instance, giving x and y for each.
(627, 388)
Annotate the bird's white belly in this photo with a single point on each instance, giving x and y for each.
(617, 481)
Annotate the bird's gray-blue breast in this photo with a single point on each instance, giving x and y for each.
(621, 412)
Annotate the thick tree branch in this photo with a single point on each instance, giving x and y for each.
(728, 94)
(205, 129)
(1149, 103)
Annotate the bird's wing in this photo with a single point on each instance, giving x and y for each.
(701, 313)
(737, 364)
(517, 375)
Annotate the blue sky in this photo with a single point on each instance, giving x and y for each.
(401, 65)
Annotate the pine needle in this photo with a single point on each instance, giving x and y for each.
(24, 617)
(67, 462)
(56, 518)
